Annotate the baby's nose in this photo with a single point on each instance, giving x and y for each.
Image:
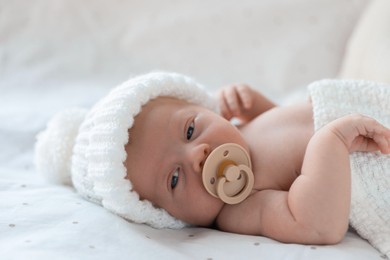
(199, 156)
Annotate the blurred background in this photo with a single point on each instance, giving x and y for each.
(61, 53)
(274, 45)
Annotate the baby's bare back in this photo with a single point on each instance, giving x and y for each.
(277, 140)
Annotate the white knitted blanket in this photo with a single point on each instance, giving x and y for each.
(370, 204)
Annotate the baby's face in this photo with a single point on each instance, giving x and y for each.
(169, 143)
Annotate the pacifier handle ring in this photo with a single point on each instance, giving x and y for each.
(227, 173)
(243, 194)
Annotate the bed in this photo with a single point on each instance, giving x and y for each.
(65, 53)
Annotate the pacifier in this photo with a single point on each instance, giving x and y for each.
(227, 173)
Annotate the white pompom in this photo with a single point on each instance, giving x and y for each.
(54, 146)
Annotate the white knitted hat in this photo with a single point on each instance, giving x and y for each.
(87, 148)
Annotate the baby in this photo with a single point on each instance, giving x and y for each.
(141, 150)
(302, 185)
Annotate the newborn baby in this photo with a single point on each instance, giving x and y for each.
(141, 150)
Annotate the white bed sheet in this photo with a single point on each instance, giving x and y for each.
(41, 74)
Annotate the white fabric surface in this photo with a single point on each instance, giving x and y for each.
(63, 53)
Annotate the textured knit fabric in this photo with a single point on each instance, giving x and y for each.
(370, 204)
(88, 147)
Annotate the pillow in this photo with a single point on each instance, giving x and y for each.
(368, 51)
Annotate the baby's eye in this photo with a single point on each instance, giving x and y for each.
(175, 179)
(190, 130)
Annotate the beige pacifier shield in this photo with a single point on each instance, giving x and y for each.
(228, 167)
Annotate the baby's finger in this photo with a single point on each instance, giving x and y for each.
(388, 142)
(232, 101)
(245, 95)
(382, 143)
(223, 107)
(381, 135)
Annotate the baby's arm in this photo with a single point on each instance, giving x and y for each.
(320, 196)
(316, 208)
(242, 102)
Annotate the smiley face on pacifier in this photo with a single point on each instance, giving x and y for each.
(227, 173)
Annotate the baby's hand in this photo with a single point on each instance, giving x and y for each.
(236, 100)
(362, 133)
